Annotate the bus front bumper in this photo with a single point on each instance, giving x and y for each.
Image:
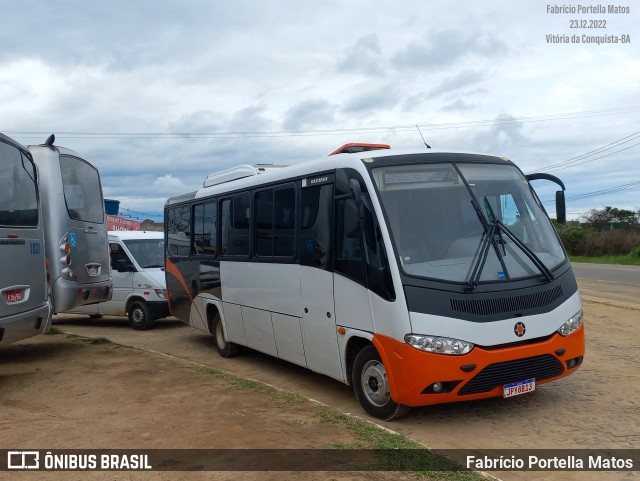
(482, 373)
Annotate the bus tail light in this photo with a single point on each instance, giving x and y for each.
(65, 248)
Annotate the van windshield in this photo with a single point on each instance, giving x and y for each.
(444, 218)
(148, 253)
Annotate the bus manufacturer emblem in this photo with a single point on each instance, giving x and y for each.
(519, 329)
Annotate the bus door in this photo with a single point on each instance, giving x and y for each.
(316, 277)
(363, 287)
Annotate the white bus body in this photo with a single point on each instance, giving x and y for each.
(418, 278)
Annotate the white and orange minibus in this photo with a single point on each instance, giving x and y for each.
(416, 277)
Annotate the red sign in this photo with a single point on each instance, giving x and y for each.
(115, 222)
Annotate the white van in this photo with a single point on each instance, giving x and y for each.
(137, 269)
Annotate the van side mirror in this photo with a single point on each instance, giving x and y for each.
(123, 266)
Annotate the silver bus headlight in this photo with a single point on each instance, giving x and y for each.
(572, 325)
(439, 345)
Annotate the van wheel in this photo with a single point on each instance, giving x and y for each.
(371, 386)
(225, 348)
(140, 316)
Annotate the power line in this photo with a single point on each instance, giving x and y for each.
(604, 148)
(596, 193)
(337, 131)
(591, 160)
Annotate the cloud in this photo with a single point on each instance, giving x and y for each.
(446, 47)
(458, 105)
(309, 114)
(456, 82)
(384, 98)
(363, 57)
(169, 182)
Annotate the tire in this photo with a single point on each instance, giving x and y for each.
(369, 379)
(95, 316)
(140, 316)
(225, 348)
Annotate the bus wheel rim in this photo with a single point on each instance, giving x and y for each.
(220, 335)
(374, 383)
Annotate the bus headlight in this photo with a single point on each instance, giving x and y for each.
(161, 293)
(439, 345)
(572, 325)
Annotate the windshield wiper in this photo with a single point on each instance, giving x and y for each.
(489, 239)
(533, 257)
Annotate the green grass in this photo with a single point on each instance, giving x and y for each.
(54, 331)
(395, 452)
(623, 260)
(100, 340)
(238, 382)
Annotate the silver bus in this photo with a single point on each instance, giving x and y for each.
(75, 228)
(24, 302)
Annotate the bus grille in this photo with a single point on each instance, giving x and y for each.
(484, 307)
(498, 374)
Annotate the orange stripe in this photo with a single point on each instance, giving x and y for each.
(172, 269)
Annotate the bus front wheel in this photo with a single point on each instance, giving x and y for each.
(225, 348)
(370, 384)
(140, 316)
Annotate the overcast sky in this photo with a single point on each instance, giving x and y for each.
(130, 84)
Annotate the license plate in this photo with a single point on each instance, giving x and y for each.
(13, 296)
(520, 387)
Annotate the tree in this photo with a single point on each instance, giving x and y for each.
(602, 219)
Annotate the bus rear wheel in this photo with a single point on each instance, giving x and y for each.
(225, 348)
(140, 316)
(370, 384)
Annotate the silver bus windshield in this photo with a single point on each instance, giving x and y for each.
(82, 192)
(18, 190)
(440, 222)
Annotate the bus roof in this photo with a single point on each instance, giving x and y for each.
(252, 176)
(10, 141)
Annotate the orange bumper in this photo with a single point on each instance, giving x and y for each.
(410, 371)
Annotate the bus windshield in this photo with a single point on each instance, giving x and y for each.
(18, 198)
(82, 192)
(441, 222)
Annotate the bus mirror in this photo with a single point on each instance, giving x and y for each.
(561, 210)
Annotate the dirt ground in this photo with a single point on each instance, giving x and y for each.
(65, 392)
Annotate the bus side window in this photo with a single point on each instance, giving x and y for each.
(348, 245)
